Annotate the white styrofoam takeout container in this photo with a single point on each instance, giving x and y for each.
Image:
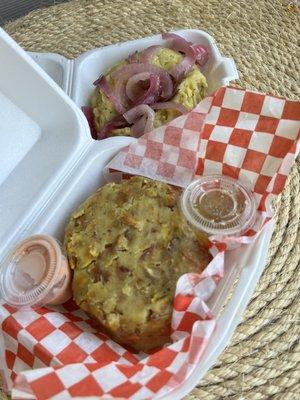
(49, 164)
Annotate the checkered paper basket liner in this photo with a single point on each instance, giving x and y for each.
(249, 136)
(58, 353)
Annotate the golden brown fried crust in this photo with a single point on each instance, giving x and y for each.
(128, 244)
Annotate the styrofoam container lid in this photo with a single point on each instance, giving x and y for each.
(219, 205)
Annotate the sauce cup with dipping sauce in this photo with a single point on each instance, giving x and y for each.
(35, 273)
(218, 205)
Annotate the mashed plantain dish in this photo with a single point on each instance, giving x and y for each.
(128, 244)
(148, 89)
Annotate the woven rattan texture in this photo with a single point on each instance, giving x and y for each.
(262, 360)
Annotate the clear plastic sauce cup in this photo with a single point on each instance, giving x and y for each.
(219, 205)
(36, 273)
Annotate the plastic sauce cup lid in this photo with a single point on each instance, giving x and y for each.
(32, 271)
(219, 205)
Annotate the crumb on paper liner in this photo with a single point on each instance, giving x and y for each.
(57, 352)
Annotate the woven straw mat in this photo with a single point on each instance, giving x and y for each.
(263, 358)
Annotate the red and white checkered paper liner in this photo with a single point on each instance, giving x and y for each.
(57, 352)
(249, 136)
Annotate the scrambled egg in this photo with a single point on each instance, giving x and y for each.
(189, 93)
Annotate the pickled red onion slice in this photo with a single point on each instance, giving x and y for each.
(193, 54)
(102, 84)
(144, 112)
(123, 74)
(147, 54)
(136, 92)
(118, 122)
(88, 112)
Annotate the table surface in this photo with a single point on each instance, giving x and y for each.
(261, 361)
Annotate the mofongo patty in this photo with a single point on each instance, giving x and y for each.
(128, 244)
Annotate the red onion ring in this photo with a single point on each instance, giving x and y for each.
(150, 95)
(88, 112)
(193, 53)
(103, 85)
(142, 111)
(123, 74)
(139, 126)
(180, 70)
(150, 122)
(147, 54)
(143, 76)
(201, 53)
(115, 123)
(153, 92)
(179, 44)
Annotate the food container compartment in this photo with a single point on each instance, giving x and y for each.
(50, 164)
(79, 74)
